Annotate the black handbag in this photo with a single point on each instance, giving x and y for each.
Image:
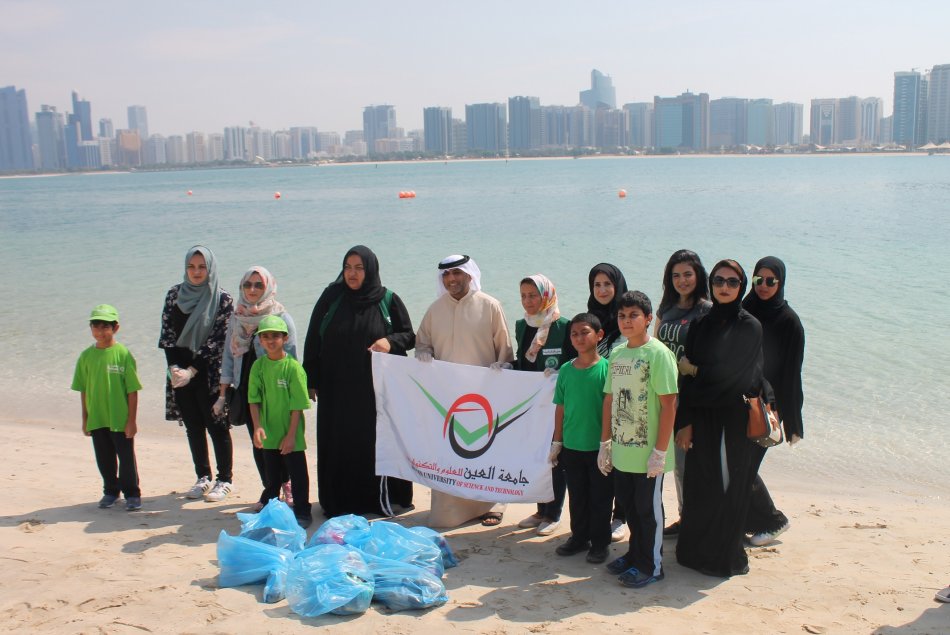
(237, 407)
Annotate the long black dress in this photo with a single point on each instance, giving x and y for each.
(338, 365)
(726, 345)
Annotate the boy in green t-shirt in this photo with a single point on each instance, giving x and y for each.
(579, 396)
(639, 409)
(277, 395)
(108, 388)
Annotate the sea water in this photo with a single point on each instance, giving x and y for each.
(864, 239)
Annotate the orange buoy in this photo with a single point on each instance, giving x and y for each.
(276, 194)
(189, 192)
(622, 193)
(412, 193)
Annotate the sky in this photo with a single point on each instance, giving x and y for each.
(210, 64)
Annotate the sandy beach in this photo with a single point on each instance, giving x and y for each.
(856, 560)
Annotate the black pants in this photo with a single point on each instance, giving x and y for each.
(259, 457)
(294, 464)
(115, 456)
(195, 403)
(590, 497)
(763, 517)
(552, 509)
(642, 501)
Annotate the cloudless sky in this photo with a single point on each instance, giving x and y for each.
(209, 64)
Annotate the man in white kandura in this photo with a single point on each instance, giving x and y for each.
(463, 326)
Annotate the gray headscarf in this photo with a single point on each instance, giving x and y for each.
(199, 302)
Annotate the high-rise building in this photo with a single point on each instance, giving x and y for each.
(106, 151)
(554, 126)
(848, 121)
(639, 124)
(72, 134)
(155, 150)
(82, 110)
(303, 141)
(196, 147)
(437, 129)
(51, 138)
(16, 144)
(175, 151)
(728, 122)
(823, 118)
(887, 130)
(909, 105)
(682, 122)
(138, 120)
(235, 144)
(459, 137)
(106, 128)
(787, 119)
(610, 129)
(487, 127)
(128, 148)
(379, 122)
(759, 123)
(215, 146)
(938, 104)
(524, 123)
(283, 145)
(328, 142)
(601, 93)
(872, 109)
(580, 127)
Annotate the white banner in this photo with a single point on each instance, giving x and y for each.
(473, 432)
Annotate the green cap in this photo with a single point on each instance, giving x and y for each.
(272, 323)
(105, 313)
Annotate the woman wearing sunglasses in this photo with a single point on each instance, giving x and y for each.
(783, 348)
(257, 299)
(722, 363)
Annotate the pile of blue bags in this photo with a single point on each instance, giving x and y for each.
(346, 564)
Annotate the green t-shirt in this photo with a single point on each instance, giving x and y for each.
(636, 379)
(581, 392)
(280, 387)
(106, 376)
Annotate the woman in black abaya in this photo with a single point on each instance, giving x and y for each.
(783, 347)
(722, 362)
(347, 323)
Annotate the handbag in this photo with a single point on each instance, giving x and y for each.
(237, 407)
(764, 426)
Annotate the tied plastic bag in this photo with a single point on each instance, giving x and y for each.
(342, 530)
(280, 520)
(329, 578)
(395, 542)
(245, 561)
(401, 586)
(448, 557)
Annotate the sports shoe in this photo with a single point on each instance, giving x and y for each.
(618, 530)
(531, 521)
(572, 546)
(768, 537)
(618, 565)
(637, 579)
(597, 555)
(199, 489)
(288, 494)
(132, 503)
(548, 527)
(672, 530)
(107, 501)
(219, 492)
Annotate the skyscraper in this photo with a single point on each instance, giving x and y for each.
(524, 123)
(487, 127)
(848, 121)
(759, 123)
(437, 129)
(609, 128)
(872, 109)
(16, 144)
(788, 123)
(908, 95)
(51, 139)
(682, 122)
(138, 120)
(639, 124)
(938, 104)
(106, 129)
(601, 94)
(728, 122)
(554, 126)
(823, 117)
(379, 122)
(82, 110)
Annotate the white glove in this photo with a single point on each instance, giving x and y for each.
(550, 371)
(605, 461)
(500, 366)
(218, 406)
(656, 463)
(686, 367)
(423, 356)
(554, 451)
(181, 376)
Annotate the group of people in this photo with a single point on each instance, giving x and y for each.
(624, 393)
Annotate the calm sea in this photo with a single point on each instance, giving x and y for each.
(864, 237)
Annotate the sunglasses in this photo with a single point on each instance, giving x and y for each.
(732, 283)
(771, 281)
(253, 285)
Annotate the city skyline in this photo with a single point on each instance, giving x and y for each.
(320, 66)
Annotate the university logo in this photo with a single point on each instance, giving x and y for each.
(472, 443)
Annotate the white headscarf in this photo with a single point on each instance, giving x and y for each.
(464, 263)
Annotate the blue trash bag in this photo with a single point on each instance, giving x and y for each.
(395, 542)
(401, 586)
(329, 578)
(245, 561)
(448, 557)
(277, 516)
(342, 530)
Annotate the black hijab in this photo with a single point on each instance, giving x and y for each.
(372, 289)
(767, 310)
(606, 313)
(721, 311)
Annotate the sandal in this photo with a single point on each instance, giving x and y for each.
(491, 519)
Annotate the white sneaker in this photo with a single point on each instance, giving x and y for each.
(765, 538)
(199, 489)
(531, 521)
(219, 492)
(618, 530)
(548, 527)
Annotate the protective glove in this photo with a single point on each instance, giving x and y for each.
(500, 366)
(605, 461)
(218, 406)
(550, 371)
(181, 376)
(656, 463)
(423, 356)
(554, 451)
(686, 367)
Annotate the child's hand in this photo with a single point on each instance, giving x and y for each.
(686, 367)
(85, 432)
(656, 463)
(131, 429)
(605, 461)
(287, 444)
(259, 436)
(218, 406)
(554, 451)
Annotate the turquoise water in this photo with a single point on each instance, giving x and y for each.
(864, 238)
